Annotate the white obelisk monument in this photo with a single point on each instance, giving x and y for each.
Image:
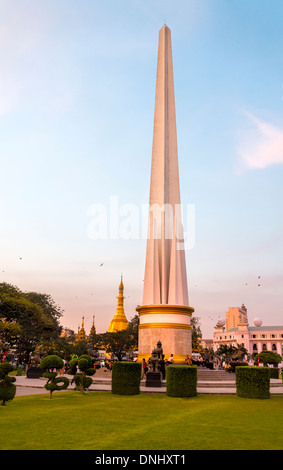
(165, 313)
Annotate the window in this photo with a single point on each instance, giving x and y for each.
(274, 348)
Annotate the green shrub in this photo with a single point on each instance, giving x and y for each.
(7, 388)
(181, 381)
(126, 377)
(253, 382)
(72, 366)
(48, 364)
(274, 372)
(85, 365)
(51, 362)
(82, 382)
(20, 371)
(234, 364)
(268, 357)
(82, 378)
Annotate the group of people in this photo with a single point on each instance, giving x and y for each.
(193, 361)
(97, 365)
(189, 360)
(108, 366)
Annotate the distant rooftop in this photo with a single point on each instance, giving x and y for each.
(259, 328)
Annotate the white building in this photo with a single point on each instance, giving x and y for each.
(254, 338)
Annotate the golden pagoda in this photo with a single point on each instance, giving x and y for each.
(81, 336)
(119, 321)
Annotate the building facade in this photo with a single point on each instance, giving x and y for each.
(254, 338)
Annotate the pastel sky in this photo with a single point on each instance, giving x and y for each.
(77, 88)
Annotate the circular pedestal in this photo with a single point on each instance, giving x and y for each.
(169, 324)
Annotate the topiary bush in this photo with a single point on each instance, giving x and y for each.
(82, 378)
(181, 381)
(48, 364)
(253, 382)
(82, 382)
(7, 387)
(126, 377)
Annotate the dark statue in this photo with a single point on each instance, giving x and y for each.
(157, 367)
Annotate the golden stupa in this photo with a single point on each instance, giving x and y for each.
(119, 321)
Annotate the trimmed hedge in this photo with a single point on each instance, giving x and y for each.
(126, 377)
(181, 381)
(235, 364)
(253, 382)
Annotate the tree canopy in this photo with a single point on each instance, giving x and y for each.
(268, 357)
(120, 342)
(196, 334)
(26, 318)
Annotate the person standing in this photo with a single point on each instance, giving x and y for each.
(144, 368)
(161, 367)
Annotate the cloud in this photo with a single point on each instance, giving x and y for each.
(261, 144)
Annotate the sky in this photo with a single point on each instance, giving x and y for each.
(77, 90)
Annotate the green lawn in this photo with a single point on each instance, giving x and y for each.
(103, 421)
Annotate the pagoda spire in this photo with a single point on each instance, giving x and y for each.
(119, 321)
(92, 332)
(93, 329)
(81, 336)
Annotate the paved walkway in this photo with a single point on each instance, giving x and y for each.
(101, 382)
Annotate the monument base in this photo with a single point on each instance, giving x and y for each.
(34, 373)
(169, 324)
(153, 379)
(179, 359)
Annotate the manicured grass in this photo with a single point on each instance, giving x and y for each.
(103, 421)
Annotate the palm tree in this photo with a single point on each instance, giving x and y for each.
(225, 352)
(241, 352)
